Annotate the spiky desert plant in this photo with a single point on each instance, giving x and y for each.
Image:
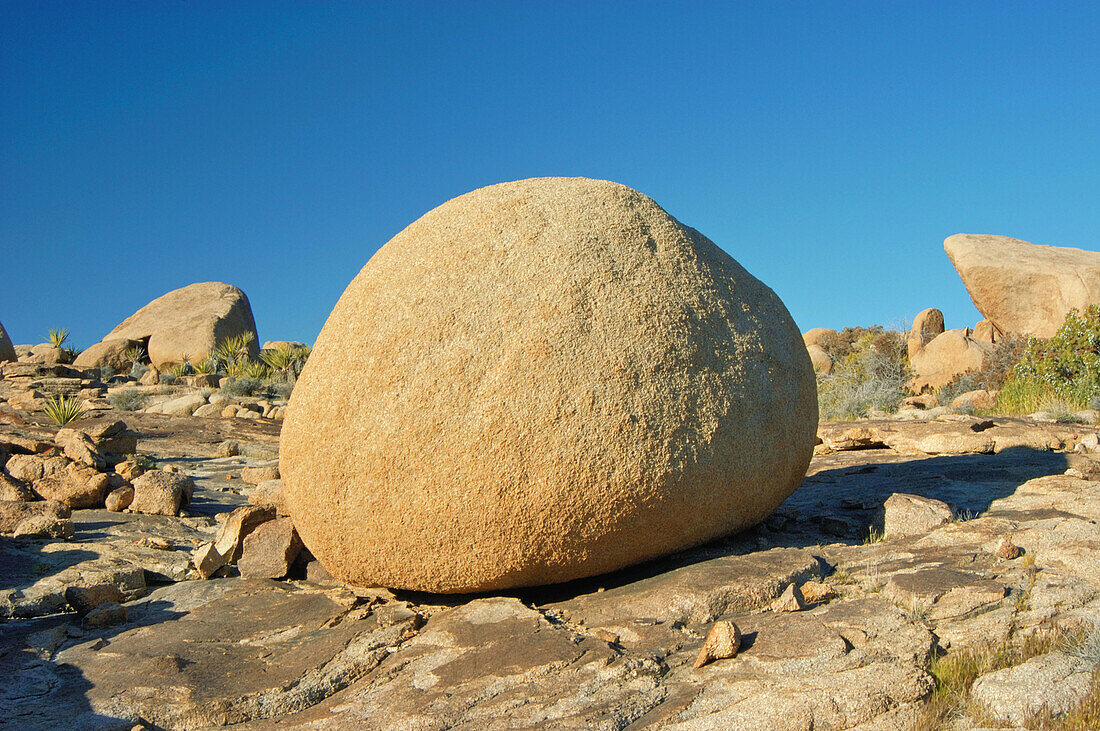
(205, 366)
(286, 362)
(62, 409)
(134, 355)
(233, 349)
(245, 368)
(179, 370)
(58, 337)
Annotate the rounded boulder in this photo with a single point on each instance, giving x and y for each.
(540, 381)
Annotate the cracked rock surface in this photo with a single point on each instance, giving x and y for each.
(611, 652)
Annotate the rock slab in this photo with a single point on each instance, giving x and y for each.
(1023, 288)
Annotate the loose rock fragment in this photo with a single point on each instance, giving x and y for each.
(269, 551)
(120, 499)
(723, 641)
(161, 493)
(1009, 550)
(815, 592)
(791, 600)
(106, 614)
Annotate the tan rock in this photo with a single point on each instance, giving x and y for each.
(207, 560)
(237, 526)
(187, 323)
(78, 486)
(540, 381)
(791, 600)
(161, 493)
(182, 406)
(722, 643)
(821, 361)
(270, 492)
(946, 356)
(269, 551)
(79, 447)
(150, 377)
(816, 592)
(108, 354)
(12, 513)
(979, 400)
(119, 499)
(7, 350)
(1053, 683)
(13, 489)
(44, 526)
(986, 332)
(106, 614)
(817, 336)
(207, 411)
(926, 326)
(256, 475)
(909, 515)
(279, 344)
(1024, 288)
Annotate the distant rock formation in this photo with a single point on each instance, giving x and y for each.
(1024, 288)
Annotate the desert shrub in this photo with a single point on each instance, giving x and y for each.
(281, 390)
(1065, 368)
(137, 370)
(129, 400)
(997, 367)
(63, 409)
(248, 369)
(167, 378)
(179, 370)
(244, 386)
(869, 373)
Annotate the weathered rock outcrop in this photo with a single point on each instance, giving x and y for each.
(1024, 288)
(540, 381)
(187, 323)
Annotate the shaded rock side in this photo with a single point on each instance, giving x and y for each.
(7, 350)
(1024, 288)
(189, 322)
(540, 381)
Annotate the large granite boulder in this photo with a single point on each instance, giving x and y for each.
(111, 353)
(7, 350)
(540, 381)
(188, 323)
(1024, 288)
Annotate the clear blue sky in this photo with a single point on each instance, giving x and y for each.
(829, 147)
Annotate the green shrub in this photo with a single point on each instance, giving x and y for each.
(129, 400)
(1065, 368)
(63, 409)
(244, 386)
(870, 370)
(232, 349)
(137, 370)
(286, 362)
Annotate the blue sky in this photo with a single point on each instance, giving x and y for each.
(829, 147)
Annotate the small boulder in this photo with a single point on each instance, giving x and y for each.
(161, 493)
(182, 406)
(12, 513)
(269, 551)
(239, 524)
(910, 515)
(977, 400)
(722, 643)
(816, 592)
(791, 600)
(13, 489)
(119, 499)
(818, 335)
(986, 332)
(79, 447)
(44, 526)
(948, 355)
(270, 492)
(78, 486)
(926, 326)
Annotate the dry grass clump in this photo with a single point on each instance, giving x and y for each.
(955, 673)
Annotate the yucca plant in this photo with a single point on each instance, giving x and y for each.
(286, 362)
(232, 349)
(62, 409)
(248, 369)
(134, 355)
(179, 370)
(206, 366)
(58, 337)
